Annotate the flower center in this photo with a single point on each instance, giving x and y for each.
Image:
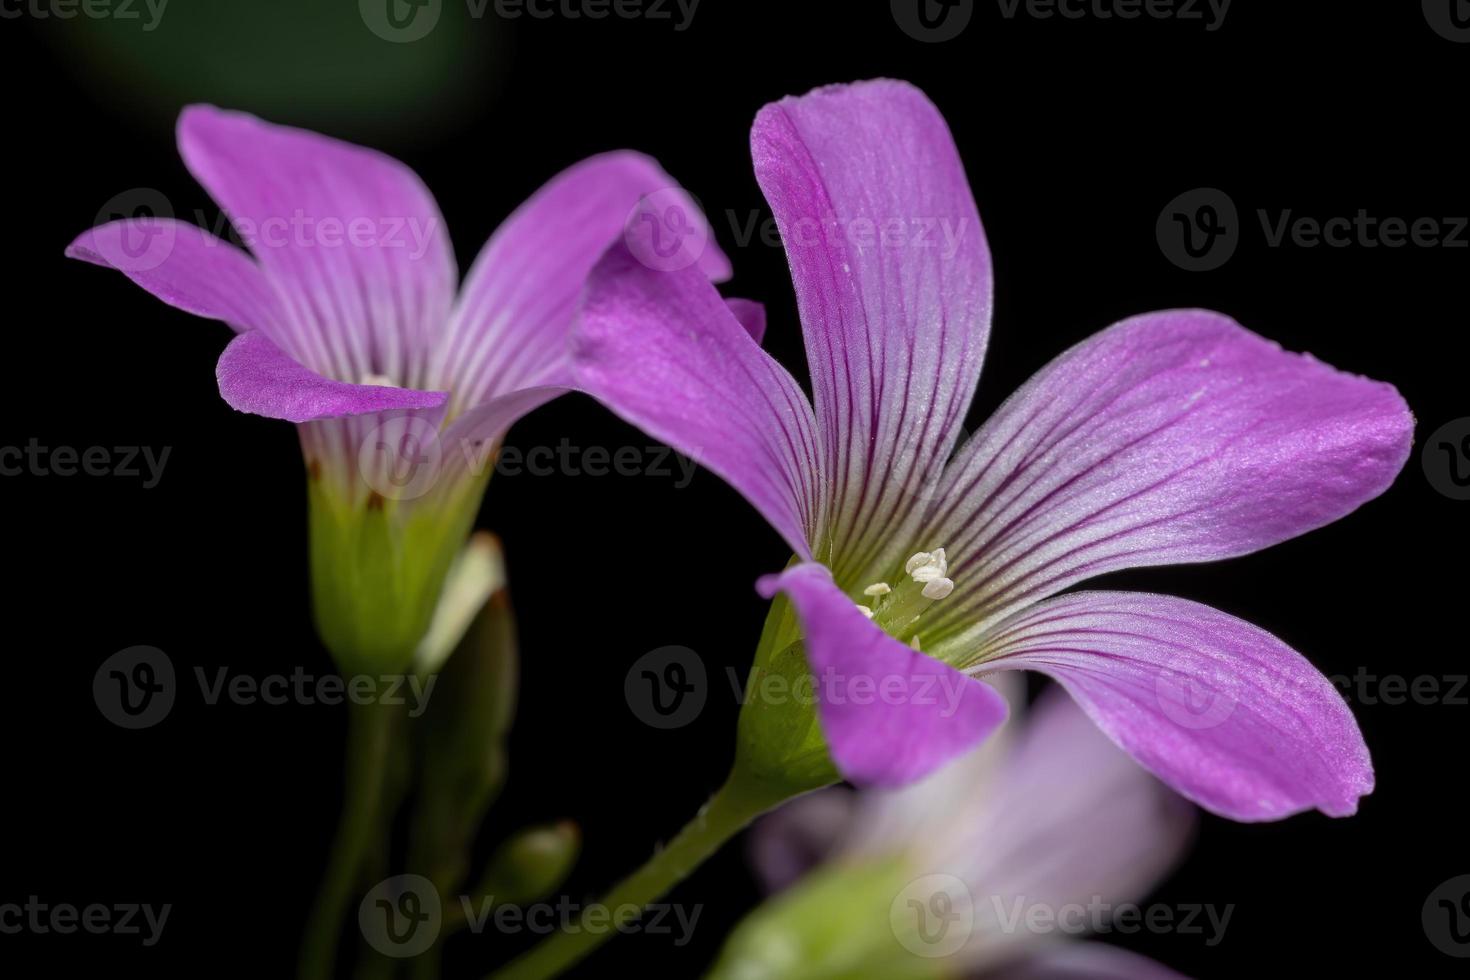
(898, 608)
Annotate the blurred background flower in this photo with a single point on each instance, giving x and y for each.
(991, 867)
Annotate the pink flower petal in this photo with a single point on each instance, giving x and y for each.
(257, 376)
(1170, 437)
(1220, 710)
(350, 237)
(662, 350)
(187, 268)
(512, 320)
(893, 283)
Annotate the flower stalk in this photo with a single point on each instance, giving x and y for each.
(780, 755)
(729, 811)
(369, 733)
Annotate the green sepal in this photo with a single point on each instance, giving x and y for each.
(377, 569)
(779, 740)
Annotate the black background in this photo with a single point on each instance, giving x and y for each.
(1075, 135)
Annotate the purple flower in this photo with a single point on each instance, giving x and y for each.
(1170, 437)
(1046, 832)
(349, 324)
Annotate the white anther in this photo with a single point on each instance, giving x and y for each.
(928, 566)
(877, 588)
(866, 611)
(914, 644)
(377, 380)
(938, 588)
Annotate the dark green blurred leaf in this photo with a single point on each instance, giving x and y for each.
(313, 63)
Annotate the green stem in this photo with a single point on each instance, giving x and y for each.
(376, 860)
(737, 803)
(368, 732)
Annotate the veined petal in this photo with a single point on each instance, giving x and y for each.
(513, 317)
(187, 268)
(889, 713)
(488, 421)
(662, 350)
(351, 238)
(893, 282)
(257, 376)
(1170, 437)
(1220, 710)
